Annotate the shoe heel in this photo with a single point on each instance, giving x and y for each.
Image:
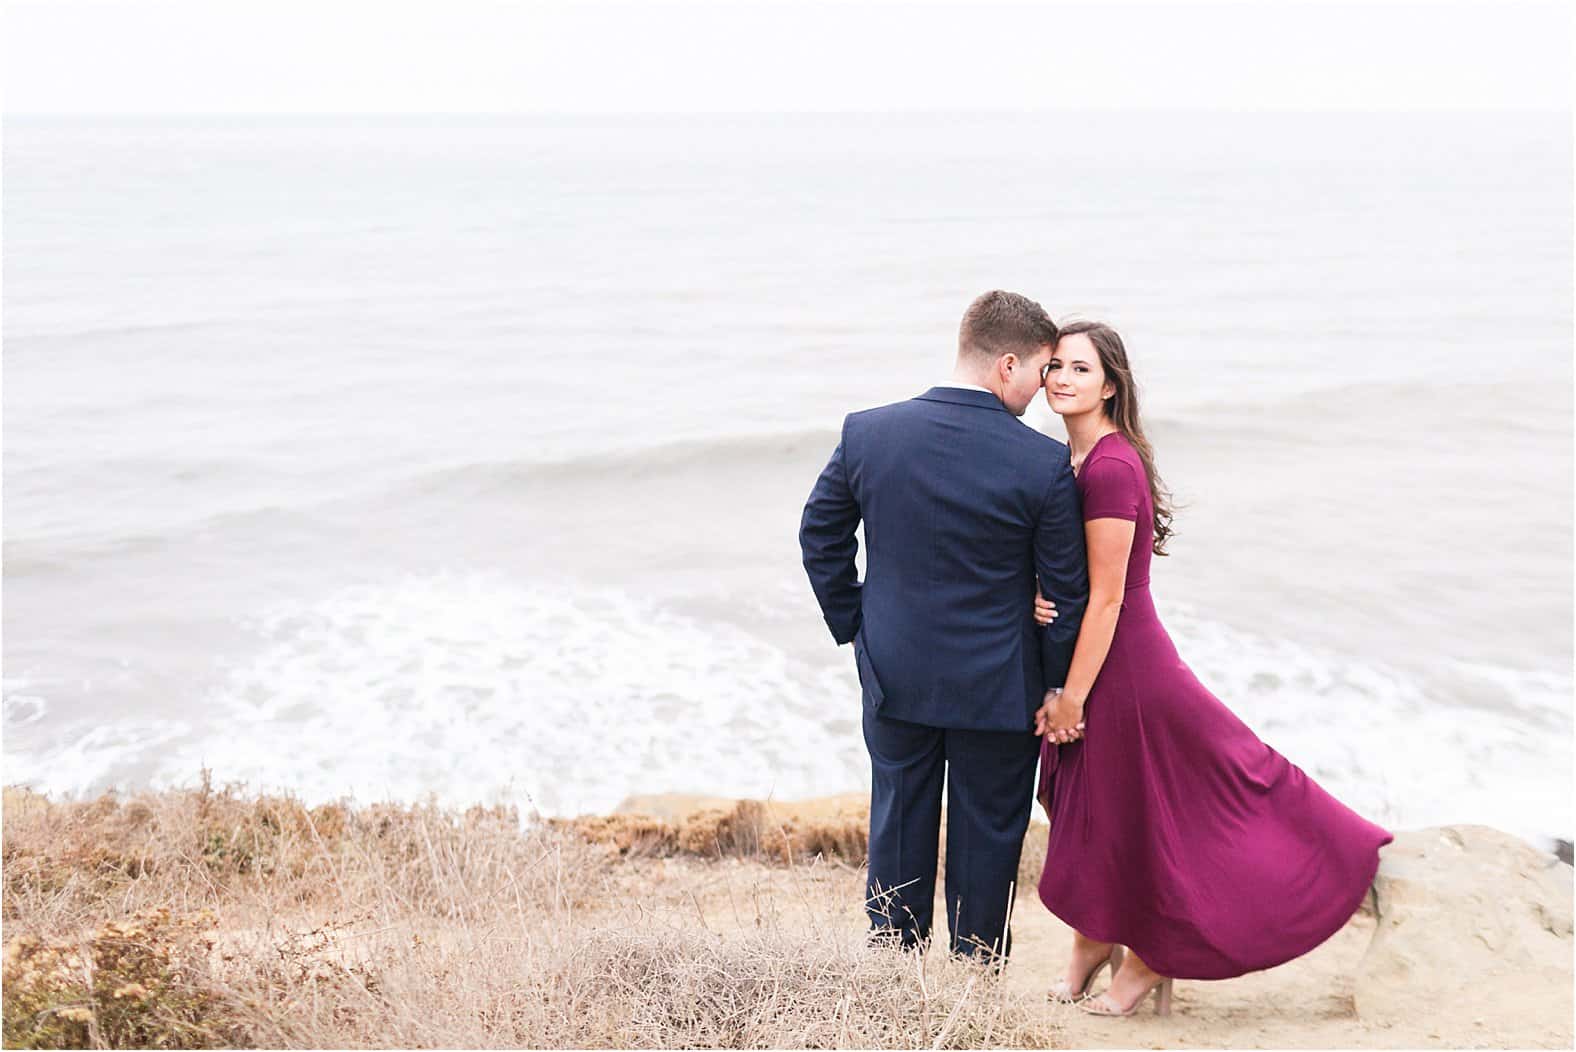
(1163, 997)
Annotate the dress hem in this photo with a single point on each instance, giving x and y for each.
(1346, 917)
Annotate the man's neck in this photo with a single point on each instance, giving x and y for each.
(962, 378)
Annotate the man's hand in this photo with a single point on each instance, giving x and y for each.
(1060, 717)
(1044, 609)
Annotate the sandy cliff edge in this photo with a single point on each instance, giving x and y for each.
(1466, 941)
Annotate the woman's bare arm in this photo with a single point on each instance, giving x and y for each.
(1109, 542)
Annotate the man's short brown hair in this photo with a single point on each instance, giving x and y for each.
(999, 323)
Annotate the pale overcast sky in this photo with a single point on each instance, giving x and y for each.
(283, 56)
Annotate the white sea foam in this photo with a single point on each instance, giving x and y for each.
(473, 689)
(88, 758)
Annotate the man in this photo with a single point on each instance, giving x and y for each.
(963, 505)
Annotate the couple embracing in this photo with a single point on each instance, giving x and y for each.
(1004, 629)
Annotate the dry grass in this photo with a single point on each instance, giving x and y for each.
(747, 829)
(770, 832)
(210, 918)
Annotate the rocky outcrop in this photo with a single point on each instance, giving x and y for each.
(1471, 922)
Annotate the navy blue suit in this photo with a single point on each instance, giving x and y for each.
(964, 507)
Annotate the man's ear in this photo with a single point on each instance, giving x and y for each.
(1006, 364)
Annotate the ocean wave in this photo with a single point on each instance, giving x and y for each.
(62, 550)
(120, 329)
(564, 699)
(469, 687)
(66, 552)
(716, 451)
(91, 758)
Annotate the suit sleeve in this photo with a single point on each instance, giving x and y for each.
(828, 544)
(1063, 570)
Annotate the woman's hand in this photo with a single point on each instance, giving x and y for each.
(1044, 609)
(1060, 718)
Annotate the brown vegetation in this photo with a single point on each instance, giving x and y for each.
(768, 831)
(747, 829)
(206, 918)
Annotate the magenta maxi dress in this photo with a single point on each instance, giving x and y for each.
(1175, 831)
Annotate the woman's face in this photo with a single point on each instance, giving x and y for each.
(1076, 383)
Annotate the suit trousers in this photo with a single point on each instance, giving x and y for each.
(989, 777)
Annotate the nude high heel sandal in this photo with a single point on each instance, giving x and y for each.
(1104, 1005)
(1060, 991)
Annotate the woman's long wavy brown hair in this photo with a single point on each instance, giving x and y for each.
(1122, 409)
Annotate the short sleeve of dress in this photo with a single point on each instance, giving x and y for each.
(1111, 490)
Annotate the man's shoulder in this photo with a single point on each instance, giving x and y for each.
(1039, 441)
(1046, 453)
(881, 410)
(1043, 465)
(883, 413)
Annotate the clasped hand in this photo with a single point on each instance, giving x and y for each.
(1060, 717)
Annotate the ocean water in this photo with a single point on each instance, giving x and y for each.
(464, 457)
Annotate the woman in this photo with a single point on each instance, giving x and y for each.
(1175, 831)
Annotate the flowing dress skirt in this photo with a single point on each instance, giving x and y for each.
(1176, 832)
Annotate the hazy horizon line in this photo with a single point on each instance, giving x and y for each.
(1567, 110)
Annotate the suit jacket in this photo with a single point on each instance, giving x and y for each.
(963, 506)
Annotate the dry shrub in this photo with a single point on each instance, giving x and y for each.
(142, 983)
(751, 829)
(643, 980)
(69, 864)
(767, 832)
(782, 989)
(214, 918)
(634, 836)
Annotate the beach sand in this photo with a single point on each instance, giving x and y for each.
(1310, 1002)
